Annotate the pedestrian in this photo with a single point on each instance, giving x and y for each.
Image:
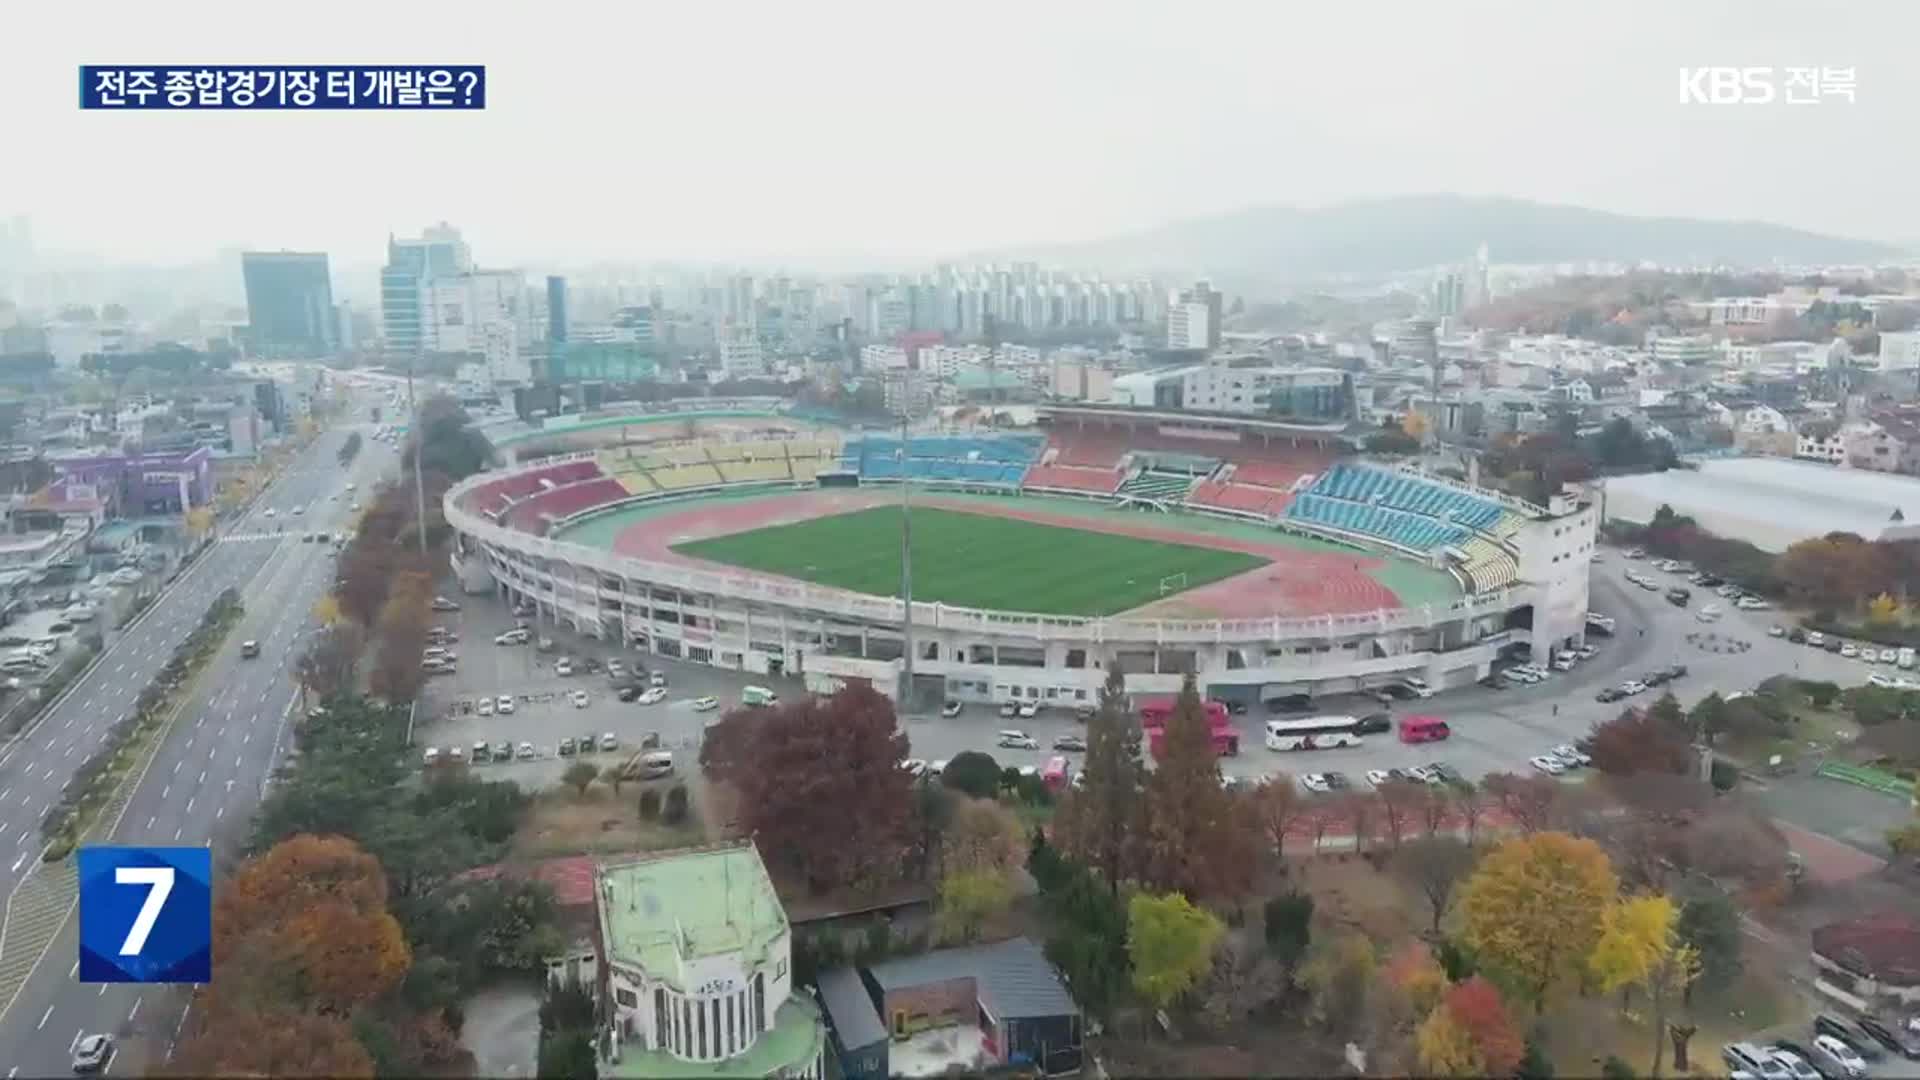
(1556, 710)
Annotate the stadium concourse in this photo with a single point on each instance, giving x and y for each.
(1264, 556)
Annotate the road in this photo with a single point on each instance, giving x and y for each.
(213, 762)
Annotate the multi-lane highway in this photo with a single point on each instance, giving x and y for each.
(212, 763)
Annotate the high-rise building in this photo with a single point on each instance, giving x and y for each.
(1203, 293)
(411, 266)
(557, 309)
(290, 303)
(1189, 326)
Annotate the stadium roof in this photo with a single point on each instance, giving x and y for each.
(1771, 502)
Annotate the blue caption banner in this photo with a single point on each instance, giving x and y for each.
(146, 914)
(221, 86)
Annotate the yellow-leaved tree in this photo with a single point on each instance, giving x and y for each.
(1534, 909)
(1883, 610)
(1640, 946)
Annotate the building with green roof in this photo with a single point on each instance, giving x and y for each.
(698, 969)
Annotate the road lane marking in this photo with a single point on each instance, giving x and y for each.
(135, 1011)
(151, 819)
(165, 791)
(189, 804)
(203, 776)
(176, 768)
(48, 1015)
(219, 812)
(103, 990)
(177, 832)
(75, 973)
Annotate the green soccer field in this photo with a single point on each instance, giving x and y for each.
(973, 560)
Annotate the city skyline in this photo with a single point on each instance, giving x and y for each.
(849, 136)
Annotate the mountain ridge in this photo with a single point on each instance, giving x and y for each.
(1403, 233)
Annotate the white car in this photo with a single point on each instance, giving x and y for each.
(485, 707)
(1889, 656)
(1632, 687)
(654, 695)
(1425, 774)
(1316, 783)
(1564, 662)
(1588, 652)
(936, 766)
(703, 704)
(1885, 682)
(615, 669)
(1570, 756)
(1550, 766)
(512, 637)
(1752, 603)
(563, 668)
(914, 766)
(505, 704)
(1018, 740)
(1842, 1054)
(579, 699)
(269, 512)
(1029, 710)
(1776, 631)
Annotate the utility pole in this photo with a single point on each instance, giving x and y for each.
(419, 446)
(906, 565)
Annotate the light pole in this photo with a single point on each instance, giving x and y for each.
(906, 566)
(419, 447)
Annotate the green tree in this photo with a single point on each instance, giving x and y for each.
(1289, 927)
(974, 773)
(579, 775)
(1171, 943)
(968, 898)
(1338, 976)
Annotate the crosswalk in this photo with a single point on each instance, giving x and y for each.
(247, 537)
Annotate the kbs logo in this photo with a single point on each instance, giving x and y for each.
(146, 914)
(1762, 86)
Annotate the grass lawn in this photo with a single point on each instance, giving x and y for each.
(973, 560)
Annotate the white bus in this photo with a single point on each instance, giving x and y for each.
(1313, 733)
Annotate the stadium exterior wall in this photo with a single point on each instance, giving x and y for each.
(765, 625)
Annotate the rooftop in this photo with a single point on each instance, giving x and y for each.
(1014, 978)
(662, 908)
(1772, 502)
(1885, 947)
(796, 1042)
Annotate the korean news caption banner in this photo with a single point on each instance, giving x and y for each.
(219, 86)
(146, 914)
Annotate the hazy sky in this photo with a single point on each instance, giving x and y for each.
(721, 131)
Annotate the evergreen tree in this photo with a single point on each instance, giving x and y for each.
(1105, 821)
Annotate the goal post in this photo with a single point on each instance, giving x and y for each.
(1173, 583)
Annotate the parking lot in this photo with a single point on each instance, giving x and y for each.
(543, 710)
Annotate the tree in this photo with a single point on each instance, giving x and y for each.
(1641, 946)
(328, 666)
(1883, 610)
(973, 773)
(982, 836)
(1470, 1033)
(1289, 927)
(968, 898)
(1240, 982)
(1418, 976)
(650, 804)
(1276, 807)
(1638, 741)
(1469, 804)
(1337, 976)
(1171, 944)
(1710, 924)
(674, 810)
(1400, 802)
(277, 1042)
(1357, 808)
(1709, 716)
(1105, 820)
(402, 633)
(820, 781)
(318, 904)
(1194, 843)
(1528, 801)
(1534, 909)
(1434, 865)
(1445, 1048)
(579, 775)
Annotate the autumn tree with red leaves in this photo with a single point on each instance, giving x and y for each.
(1477, 1007)
(1198, 841)
(1638, 741)
(820, 783)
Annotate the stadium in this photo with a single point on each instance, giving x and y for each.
(1268, 558)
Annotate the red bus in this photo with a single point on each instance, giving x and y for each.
(1154, 715)
(1056, 774)
(1417, 729)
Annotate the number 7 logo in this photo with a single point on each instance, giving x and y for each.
(160, 881)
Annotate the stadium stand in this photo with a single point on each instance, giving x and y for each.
(1155, 486)
(535, 513)
(1244, 498)
(1074, 478)
(1415, 532)
(1402, 491)
(760, 462)
(953, 458)
(1086, 449)
(1488, 565)
(497, 495)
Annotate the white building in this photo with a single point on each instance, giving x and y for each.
(1900, 350)
(740, 356)
(70, 341)
(1683, 349)
(883, 358)
(698, 958)
(1187, 326)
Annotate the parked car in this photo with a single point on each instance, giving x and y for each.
(1029, 710)
(628, 693)
(1632, 687)
(706, 704)
(504, 705)
(1549, 765)
(1899, 1038)
(1375, 724)
(566, 746)
(441, 603)
(1316, 783)
(1072, 743)
(1850, 1034)
(580, 699)
(1833, 1053)
(484, 706)
(654, 695)
(1009, 709)
(1571, 756)
(563, 667)
(1018, 740)
(1610, 694)
(950, 710)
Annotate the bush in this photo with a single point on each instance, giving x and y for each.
(650, 804)
(1820, 692)
(57, 850)
(1615, 1069)
(974, 773)
(1725, 775)
(675, 811)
